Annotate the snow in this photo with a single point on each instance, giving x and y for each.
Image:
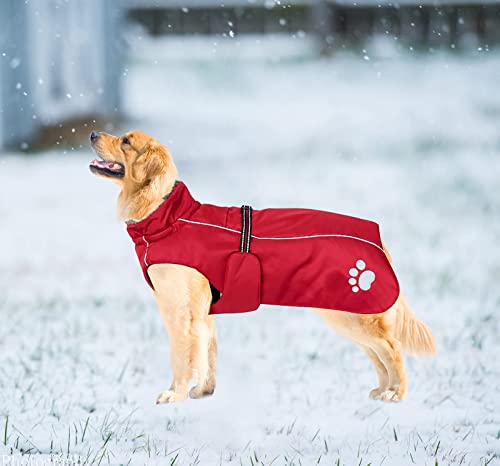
(411, 142)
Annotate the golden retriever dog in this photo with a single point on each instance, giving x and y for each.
(145, 173)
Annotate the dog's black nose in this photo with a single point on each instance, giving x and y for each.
(93, 136)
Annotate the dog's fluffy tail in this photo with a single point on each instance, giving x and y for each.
(415, 336)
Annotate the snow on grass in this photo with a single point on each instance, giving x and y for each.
(410, 142)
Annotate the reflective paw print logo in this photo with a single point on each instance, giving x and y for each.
(361, 278)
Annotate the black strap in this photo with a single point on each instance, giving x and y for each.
(246, 228)
(243, 228)
(249, 227)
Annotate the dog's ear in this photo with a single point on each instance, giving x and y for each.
(156, 159)
(151, 163)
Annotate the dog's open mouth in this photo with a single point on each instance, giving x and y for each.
(103, 167)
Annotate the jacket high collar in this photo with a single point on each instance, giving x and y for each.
(178, 203)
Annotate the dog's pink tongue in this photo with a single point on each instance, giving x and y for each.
(104, 164)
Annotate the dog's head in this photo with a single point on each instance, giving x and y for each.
(133, 160)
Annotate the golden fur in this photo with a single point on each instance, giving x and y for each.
(184, 296)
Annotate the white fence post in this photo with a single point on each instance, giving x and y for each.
(16, 104)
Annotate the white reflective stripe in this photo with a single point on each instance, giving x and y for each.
(243, 228)
(210, 225)
(146, 253)
(332, 235)
(322, 236)
(249, 235)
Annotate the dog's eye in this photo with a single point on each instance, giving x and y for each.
(126, 141)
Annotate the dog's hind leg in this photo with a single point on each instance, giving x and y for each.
(375, 332)
(383, 376)
(390, 353)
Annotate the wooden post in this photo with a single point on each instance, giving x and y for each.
(467, 39)
(492, 26)
(452, 25)
(322, 25)
(414, 24)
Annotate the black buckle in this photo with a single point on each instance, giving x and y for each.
(246, 228)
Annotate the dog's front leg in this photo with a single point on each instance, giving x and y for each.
(183, 296)
(177, 321)
(204, 354)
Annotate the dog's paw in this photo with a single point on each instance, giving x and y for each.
(375, 393)
(393, 394)
(200, 392)
(169, 396)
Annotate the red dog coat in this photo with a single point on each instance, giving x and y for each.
(287, 257)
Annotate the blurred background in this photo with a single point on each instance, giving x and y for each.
(67, 64)
(383, 110)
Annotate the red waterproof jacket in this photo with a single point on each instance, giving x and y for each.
(287, 257)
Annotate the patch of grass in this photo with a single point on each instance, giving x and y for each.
(85, 429)
(5, 432)
(174, 460)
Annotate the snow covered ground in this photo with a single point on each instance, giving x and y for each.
(412, 142)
